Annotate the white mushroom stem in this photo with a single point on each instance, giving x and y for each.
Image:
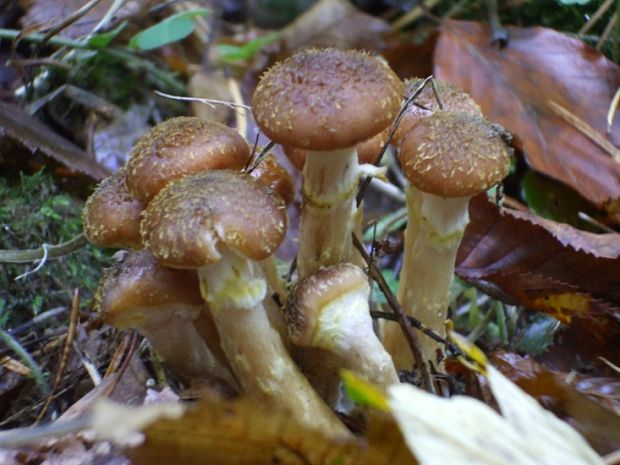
(329, 187)
(434, 231)
(345, 328)
(172, 333)
(235, 288)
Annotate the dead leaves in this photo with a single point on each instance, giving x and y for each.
(540, 264)
(551, 91)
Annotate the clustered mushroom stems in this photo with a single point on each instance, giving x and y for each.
(221, 223)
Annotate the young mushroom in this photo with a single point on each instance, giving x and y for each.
(164, 305)
(327, 101)
(329, 309)
(112, 215)
(221, 223)
(178, 147)
(447, 158)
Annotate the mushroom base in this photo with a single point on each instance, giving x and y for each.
(256, 352)
(434, 231)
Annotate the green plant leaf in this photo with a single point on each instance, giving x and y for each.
(103, 40)
(246, 51)
(171, 29)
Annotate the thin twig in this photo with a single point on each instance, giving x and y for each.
(46, 251)
(410, 336)
(208, 101)
(69, 20)
(410, 100)
(75, 306)
(598, 14)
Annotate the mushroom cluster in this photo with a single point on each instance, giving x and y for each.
(200, 282)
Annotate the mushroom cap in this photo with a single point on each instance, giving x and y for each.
(326, 99)
(186, 223)
(454, 154)
(367, 151)
(112, 215)
(178, 147)
(308, 298)
(452, 98)
(271, 174)
(131, 290)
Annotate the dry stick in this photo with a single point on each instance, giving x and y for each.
(410, 336)
(410, 101)
(51, 251)
(72, 18)
(75, 306)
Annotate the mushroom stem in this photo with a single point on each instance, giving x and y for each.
(235, 288)
(330, 183)
(177, 341)
(434, 232)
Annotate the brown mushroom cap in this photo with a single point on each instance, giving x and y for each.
(452, 98)
(187, 221)
(326, 99)
(271, 174)
(178, 147)
(367, 151)
(307, 300)
(112, 215)
(454, 154)
(138, 283)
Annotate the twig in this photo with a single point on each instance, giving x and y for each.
(75, 306)
(254, 163)
(208, 101)
(611, 113)
(22, 436)
(598, 14)
(72, 18)
(410, 100)
(410, 336)
(44, 252)
(37, 373)
(39, 265)
(36, 320)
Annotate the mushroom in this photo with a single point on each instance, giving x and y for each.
(327, 101)
(178, 147)
(164, 305)
(112, 215)
(329, 310)
(221, 223)
(447, 158)
(452, 99)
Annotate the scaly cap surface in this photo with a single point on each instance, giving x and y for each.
(112, 215)
(189, 219)
(454, 154)
(138, 283)
(178, 147)
(271, 174)
(326, 99)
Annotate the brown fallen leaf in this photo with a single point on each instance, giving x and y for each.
(34, 134)
(572, 401)
(540, 264)
(335, 23)
(238, 432)
(551, 91)
(50, 13)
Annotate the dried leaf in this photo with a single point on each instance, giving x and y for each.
(541, 264)
(591, 416)
(551, 91)
(463, 430)
(35, 134)
(238, 432)
(335, 23)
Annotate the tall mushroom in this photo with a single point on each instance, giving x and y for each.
(221, 223)
(447, 158)
(163, 305)
(329, 309)
(327, 101)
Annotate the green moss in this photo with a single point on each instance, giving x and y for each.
(32, 212)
